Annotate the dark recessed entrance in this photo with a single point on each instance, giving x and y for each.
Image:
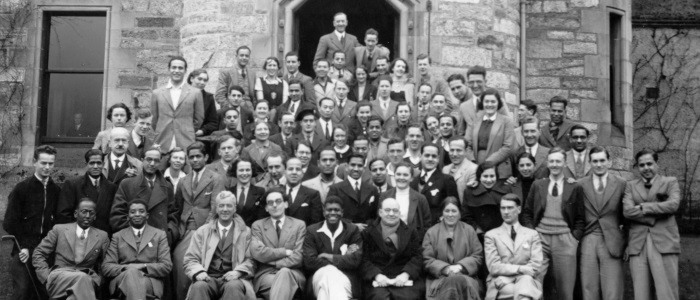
(315, 18)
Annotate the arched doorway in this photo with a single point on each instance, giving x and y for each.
(314, 18)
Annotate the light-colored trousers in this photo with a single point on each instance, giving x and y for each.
(281, 285)
(329, 283)
(559, 251)
(63, 280)
(651, 271)
(601, 274)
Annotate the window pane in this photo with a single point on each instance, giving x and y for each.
(74, 99)
(77, 42)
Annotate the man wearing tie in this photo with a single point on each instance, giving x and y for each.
(78, 249)
(557, 131)
(360, 203)
(292, 63)
(345, 108)
(248, 205)
(384, 106)
(140, 140)
(275, 172)
(237, 75)
(530, 128)
(284, 137)
(277, 246)
(432, 183)
(138, 259)
(338, 40)
(367, 55)
(311, 131)
(304, 203)
(377, 168)
(325, 123)
(554, 208)
(651, 203)
(295, 103)
(578, 162)
(228, 146)
(119, 165)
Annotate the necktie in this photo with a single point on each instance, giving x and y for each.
(328, 131)
(243, 73)
(97, 183)
(241, 199)
(116, 164)
(82, 235)
(138, 234)
(647, 184)
(600, 185)
(308, 140)
(140, 146)
(342, 40)
(223, 234)
(289, 194)
(279, 228)
(512, 233)
(528, 149)
(150, 183)
(555, 190)
(195, 181)
(554, 131)
(292, 108)
(357, 186)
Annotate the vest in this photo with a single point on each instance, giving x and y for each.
(222, 262)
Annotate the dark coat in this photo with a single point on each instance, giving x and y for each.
(27, 217)
(356, 210)
(81, 187)
(418, 209)
(572, 208)
(288, 147)
(562, 138)
(311, 172)
(481, 207)
(438, 187)
(246, 117)
(369, 94)
(376, 258)
(307, 206)
(253, 209)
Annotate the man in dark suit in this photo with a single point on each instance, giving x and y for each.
(384, 106)
(377, 167)
(295, 104)
(554, 208)
(304, 153)
(235, 101)
(29, 217)
(149, 186)
(557, 132)
(578, 163)
(291, 61)
(344, 109)
(603, 241)
(249, 203)
(432, 183)
(140, 138)
(77, 129)
(332, 254)
(311, 132)
(360, 203)
(92, 185)
(367, 55)
(304, 203)
(77, 250)
(119, 165)
(228, 147)
(237, 75)
(338, 40)
(530, 128)
(651, 203)
(138, 258)
(325, 123)
(285, 137)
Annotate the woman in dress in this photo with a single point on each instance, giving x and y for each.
(119, 114)
(492, 136)
(402, 86)
(362, 90)
(270, 87)
(453, 255)
(176, 165)
(340, 144)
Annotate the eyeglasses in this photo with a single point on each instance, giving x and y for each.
(275, 202)
(152, 160)
(86, 212)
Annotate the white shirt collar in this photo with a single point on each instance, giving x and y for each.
(112, 157)
(338, 34)
(79, 231)
(600, 179)
(167, 174)
(353, 181)
(93, 180)
(136, 231)
(136, 137)
(171, 85)
(516, 225)
(533, 149)
(492, 118)
(274, 222)
(428, 173)
(221, 228)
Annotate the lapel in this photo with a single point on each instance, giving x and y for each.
(158, 193)
(334, 39)
(286, 232)
(589, 190)
(563, 129)
(183, 96)
(203, 182)
(566, 193)
(505, 237)
(130, 239)
(213, 242)
(71, 238)
(230, 237)
(250, 198)
(541, 155)
(412, 204)
(350, 191)
(548, 135)
(91, 242)
(610, 188)
(297, 201)
(146, 238)
(168, 99)
(186, 183)
(271, 232)
(376, 234)
(655, 186)
(497, 124)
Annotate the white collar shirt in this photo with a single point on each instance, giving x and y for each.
(598, 180)
(560, 184)
(221, 229)
(79, 231)
(113, 157)
(331, 236)
(355, 182)
(175, 92)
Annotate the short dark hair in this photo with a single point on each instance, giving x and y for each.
(325, 98)
(262, 101)
(296, 81)
(291, 53)
(450, 200)
(405, 103)
(557, 149)
(456, 76)
(428, 85)
(371, 31)
(45, 149)
(385, 77)
(333, 200)
(356, 155)
(269, 60)
(363, 104)
(429, 144)
(339, 52)
(180, 58)
(326, 148)
(196, 73)
(374, 160)
(93, 152)
(396, 60)
(487, 92)
(233, 170)
(486, 166)
(196, 146)
(529, 105)
(511, 197)
(458, 138)
(304, 143)
(119, 105)
(527, 155)
(598, 149)
(646, 151)
(477, 70)
(244, 47)
(404, 164)
(579, 127)
(137, 201)
(142, 113)
(453, 118)
(396, 140)
(85, 199)
(323, 60)
(559, 99)
(373, 118)
(235, 88)
(360, 137)
(423, 56)
(383, 57)
(273, 190)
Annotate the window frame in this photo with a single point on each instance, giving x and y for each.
(616, 70)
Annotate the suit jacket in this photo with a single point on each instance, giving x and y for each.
(562, 138)
(102, 140)
(253, 209)
(162, 208)
(378, 52)
(357, 210)
(438, 187)
(203, 245)
(462, 174)
(136, 152)
(467, 252)
(228, 78)
(307, 206)
(211, 119)
(376, 258)
(571, 206)
(348, 112)
(468, 113)
(266, 182)
(246, 117)
(81, 187)
(541, 170)
(307, 84)
(311, 172)
(500, 145)
(271, 251)
(504, 256)
(131, 163)
(199, 203)
(418, 210)
(571, 164)
(153, 250)
(287, 147)
(608, 214)
(329, 43)
(285, 107)
(315, 184)
(180, 122)
(317, 242)
(60, 244)
(324, 91)
(369, 94)
(377, 109)
(656, 217)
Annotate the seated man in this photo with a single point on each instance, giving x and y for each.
(277, 246)
(138, 259)
(333, 269)
(78, 249)
(513, 256)
(225, 272)
(392, 257)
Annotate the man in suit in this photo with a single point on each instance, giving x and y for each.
(462, 170)
(557, 132)
(275, 173)
(236, 100)
(469, 101)
(338, 71)
(530, 129)
(92, 185)
(248, 205)
(151, 187)
(338, 40)
(359, 146)
(237, 75)
(377, 143)
(396, 149)
(527, 109)
(304, 203)
(324, 85)
(437, 84)
(138, 258)
(228, 147)
(651, 203)
(77, 129)
(295, 103)
(382, 69)
(119, 165)
(360, 204)
(139, 138)
(178, 108)
(603, 241)
(578, 163)
(333, 253)
(327, 162)
(285, 137)
(277, 246)
(311, 131)
(513, 256)
(384, 106)
(224, 272)
(377, 168)
(344, 108)
(325, 124)
(195, 197)
(78, 250)
(304, 154)
(414, 208)
(367, 55)
(554, 208)
(291, 60)
(432, 183)
(29, 217)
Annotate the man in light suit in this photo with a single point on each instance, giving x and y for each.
(322, 183)
(338, 71)
(218, 258)
(78, 249)
(377, 143)
(138, 258)
(468, 102)
(651, 203)
(530, 129)
(304, 203)
(277, 246)
(513, 256)
(228, 146)
(367, 55)
(344, 107)
(578, 161)
(237, 75)
(557, 132)
(384, 107)
(118, 164)
(324, 85)
(195, 198)
(177, 108)
(338, 40)
(603, 241)
(432, 183)
(461, 169)
(291, 61)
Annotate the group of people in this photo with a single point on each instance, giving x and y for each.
(361, 183)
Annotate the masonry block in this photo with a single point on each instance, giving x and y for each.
(466, 57)
(544, 49)
(135, 81)
(543, 82)
(580, 48)
(560, 35)
(155, 22)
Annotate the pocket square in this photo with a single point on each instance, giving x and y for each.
(207, 194)
(434, 192)
(304, 204)
(150, 244)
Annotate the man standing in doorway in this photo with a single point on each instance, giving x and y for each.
(338, 40)
(367, 55)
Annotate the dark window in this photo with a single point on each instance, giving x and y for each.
(617, 114)
(72, 60)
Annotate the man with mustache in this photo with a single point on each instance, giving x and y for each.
(304, 203)
(118, 164)
(530, 131)
(359, 201)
